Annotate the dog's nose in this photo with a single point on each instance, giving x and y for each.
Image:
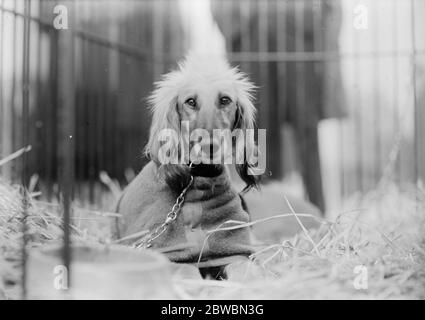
(212, 147)
(213, 144)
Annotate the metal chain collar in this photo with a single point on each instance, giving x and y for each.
(147, 240)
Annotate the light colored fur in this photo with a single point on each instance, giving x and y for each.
(206, 78)
(210, 201)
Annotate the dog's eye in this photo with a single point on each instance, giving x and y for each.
(224, 101)
(191, 102)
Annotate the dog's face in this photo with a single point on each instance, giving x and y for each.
(207, 95)
(208, 105)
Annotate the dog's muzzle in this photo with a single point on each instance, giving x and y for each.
(207, 170)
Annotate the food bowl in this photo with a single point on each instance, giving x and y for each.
(99, 272)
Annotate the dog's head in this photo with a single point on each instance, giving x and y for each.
(204, 95)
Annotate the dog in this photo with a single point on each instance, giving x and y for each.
(208, 95)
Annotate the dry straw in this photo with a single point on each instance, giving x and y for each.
(382, 230)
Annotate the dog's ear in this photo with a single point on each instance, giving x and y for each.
(163, 146)
(162, 142)
(244, 119)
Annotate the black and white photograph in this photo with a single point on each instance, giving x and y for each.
(221, 151)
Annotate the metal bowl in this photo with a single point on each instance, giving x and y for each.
(99, 272)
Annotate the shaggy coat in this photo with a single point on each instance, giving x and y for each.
(209, 94)
(210, 202)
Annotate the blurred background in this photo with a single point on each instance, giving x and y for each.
(341, 87)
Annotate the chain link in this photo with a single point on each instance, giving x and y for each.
(147, 240)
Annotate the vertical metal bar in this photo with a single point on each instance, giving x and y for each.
(272, 78)
(341, 158)
(102, 107)
(124, 35)
(39, 105)
(358, 119)
(415, 98)
(85, 129)
(79, 101)
(6, 123)
(377, 98)
(91, 147)
(342, 148)
(317, 70)
(113, 85)
(93, 105)
(25, 140)
(78, 118)
(13, 89)
(25, 91)
(244, 8)
(299, 66)
(35, 134)
(66, 117)
(262, 47)
(300, 89)
(104, 104)
(51, 116)
(84, 111)
(263, 74)
(100, 111)
(396, 116)
(98, 114)
(158, 37)
(318, 7)
(228, 7)
(2, 113)
(418, 116)
(282, 67)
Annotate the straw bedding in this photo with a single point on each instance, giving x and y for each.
(382, 231)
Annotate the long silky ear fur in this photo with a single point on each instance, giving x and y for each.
(164, 108)
(245, 118)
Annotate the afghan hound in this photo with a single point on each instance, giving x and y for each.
(201, 94)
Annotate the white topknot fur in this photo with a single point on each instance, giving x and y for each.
(204, 67)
